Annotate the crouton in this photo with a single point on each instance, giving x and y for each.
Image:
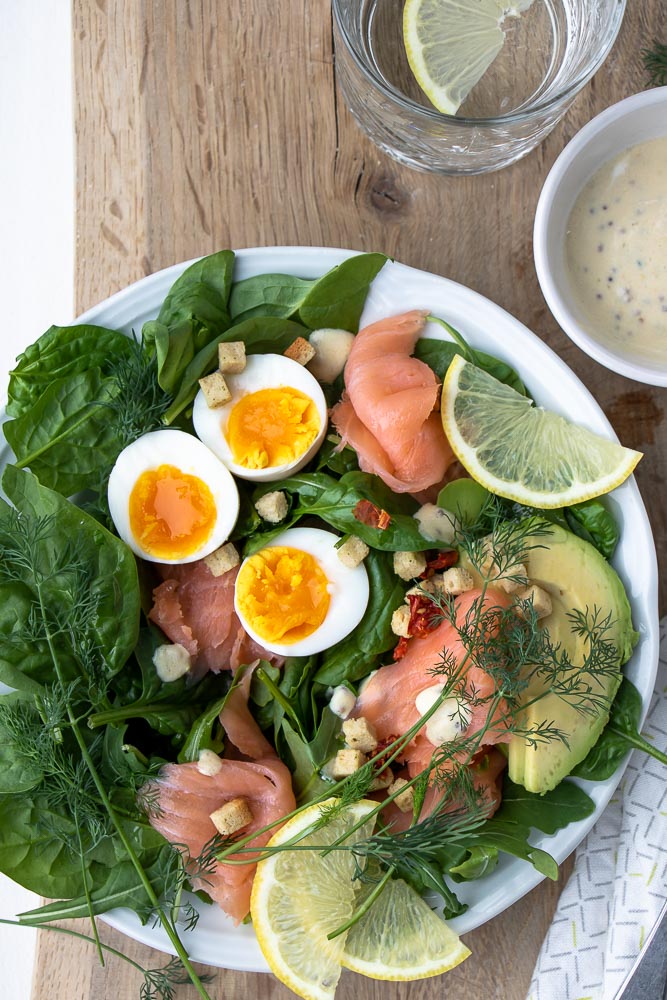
(223, 559)
(171, 661)
(360, 735)
(540, 600)
(332, 348)
(352, 552)
(345, 763)
(232, 817)
(209, 763)
(273, 507)
(381, 780)
(500, 575)
(231, 357)
(400, 621)
(421, 589)
(408, 565)
(404, 799)
(300, 351)
(455, 580)
(215, 389)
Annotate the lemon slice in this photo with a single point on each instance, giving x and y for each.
(450, 44)
(401, 938)
(519, 450)
(299, 897)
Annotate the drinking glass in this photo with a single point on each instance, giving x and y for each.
(551, 50)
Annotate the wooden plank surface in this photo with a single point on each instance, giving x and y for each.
(202, 125)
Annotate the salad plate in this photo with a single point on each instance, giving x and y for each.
(215, 940)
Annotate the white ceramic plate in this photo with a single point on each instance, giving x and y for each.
(215, 941)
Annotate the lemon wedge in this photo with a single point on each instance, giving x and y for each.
(450, 44)
(522, 452)
(400, 938)
(299, 897)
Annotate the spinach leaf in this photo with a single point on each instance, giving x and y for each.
(438, 355)
(550, 812)
(261, 336)
(85, 580)
(19, 772)
(67, 436)
(193, 314)
(334, 300)
(593, 522)
(308, 758)
(620, 735)
(316, 494)
(337, 299)
(268, 295)
(61, 352)
(117, 886)
(464, 498)
(361, 651)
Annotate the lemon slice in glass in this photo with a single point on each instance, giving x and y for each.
(522, 452)
(400, 938)
(450, 44)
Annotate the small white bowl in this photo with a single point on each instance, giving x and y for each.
(634, 120)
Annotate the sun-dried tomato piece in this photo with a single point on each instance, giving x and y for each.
(371, 515)
(425, 616)
(443, 560)
(401, 648)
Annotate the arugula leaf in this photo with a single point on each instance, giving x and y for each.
(308, 758)
(620, 735)
(316, 494)
(87, 576)
(61, 352)
(361, 651)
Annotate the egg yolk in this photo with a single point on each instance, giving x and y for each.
(172, 514)
(283, 594)
(271, 427)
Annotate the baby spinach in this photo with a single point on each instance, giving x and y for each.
(620, 735)
(194, 312)
(59, 560)
(593, 522)
(334, 300)
(260, 336)
(465, 498)
(439, 354)
(67, 436)
(61, 352)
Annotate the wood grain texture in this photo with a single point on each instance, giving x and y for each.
(202, 125)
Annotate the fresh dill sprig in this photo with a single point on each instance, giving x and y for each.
(655, 63)
(139, 404)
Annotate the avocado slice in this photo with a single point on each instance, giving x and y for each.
(577, 578)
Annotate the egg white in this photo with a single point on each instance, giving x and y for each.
(262, 371)
(187, 453)
(348, 593)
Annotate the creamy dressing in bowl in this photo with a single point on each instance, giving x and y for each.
(616, 252)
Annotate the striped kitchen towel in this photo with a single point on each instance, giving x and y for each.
(619, 884)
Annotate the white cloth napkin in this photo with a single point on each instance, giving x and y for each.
(619, 883)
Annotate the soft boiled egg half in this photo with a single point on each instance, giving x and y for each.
(171, 499)
(273, 424)
(295, 597)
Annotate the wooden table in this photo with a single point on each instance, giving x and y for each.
(202, 125)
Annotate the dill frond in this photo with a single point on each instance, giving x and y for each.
(655, 64)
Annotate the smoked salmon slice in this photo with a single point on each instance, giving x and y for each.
(196, 609)
(186, 798)
(387, 410)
